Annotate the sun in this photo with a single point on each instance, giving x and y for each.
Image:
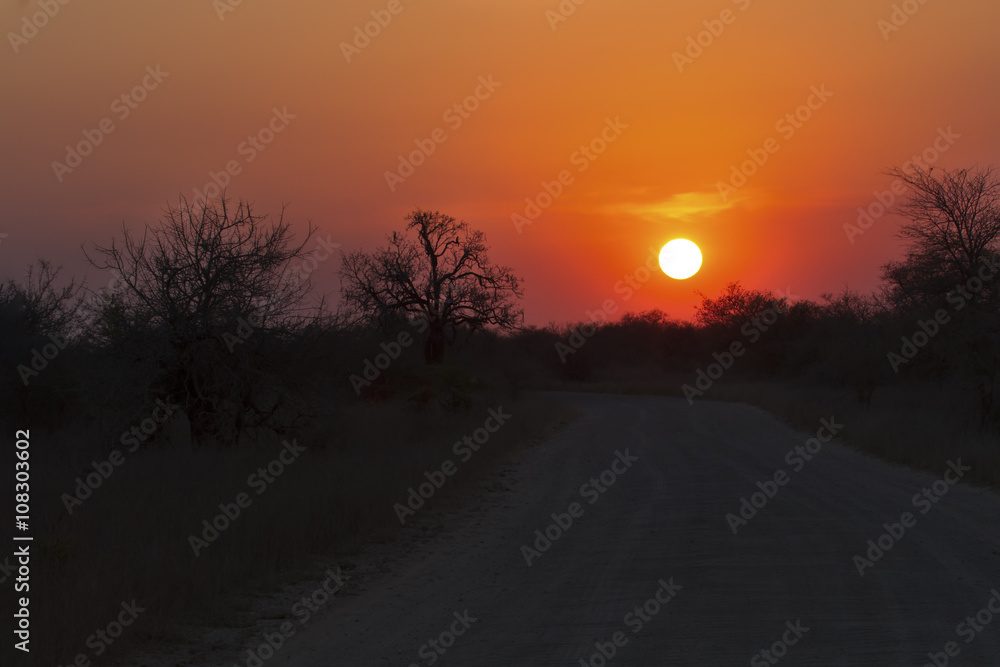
(680, 259)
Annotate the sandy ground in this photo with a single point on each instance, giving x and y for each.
(787, 582)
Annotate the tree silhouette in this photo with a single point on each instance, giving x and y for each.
(443, 276)
(36, 314)
(854, 326)
(736, 306)
(205, 291)
(954, 225)
(40, 306)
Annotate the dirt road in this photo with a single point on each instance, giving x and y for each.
(651, 572)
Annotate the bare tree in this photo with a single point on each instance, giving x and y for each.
(918, 280)
(954, 225)
(853, 307)
(442, 276)
(206, 289)
(42, 306)
(36, 312)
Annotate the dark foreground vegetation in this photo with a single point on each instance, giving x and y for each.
(156, 400)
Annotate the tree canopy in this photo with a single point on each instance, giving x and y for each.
(437, 270)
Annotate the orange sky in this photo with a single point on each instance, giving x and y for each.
(610, 59)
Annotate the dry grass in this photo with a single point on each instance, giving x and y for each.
(919, 426)
(130, 539)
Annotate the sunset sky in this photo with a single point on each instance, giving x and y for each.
(216, 72)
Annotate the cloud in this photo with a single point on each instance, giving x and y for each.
(685, 207)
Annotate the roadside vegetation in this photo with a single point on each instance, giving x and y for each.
(157, 399)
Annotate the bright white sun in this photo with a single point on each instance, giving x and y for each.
(680, 259)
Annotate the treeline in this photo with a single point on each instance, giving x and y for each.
(934, 319)
(213, 309)
(209, 334)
